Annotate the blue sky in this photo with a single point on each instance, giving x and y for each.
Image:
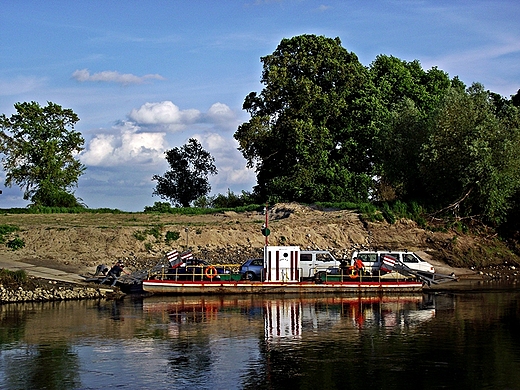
(145, 76)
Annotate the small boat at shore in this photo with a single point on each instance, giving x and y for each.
(281, 276)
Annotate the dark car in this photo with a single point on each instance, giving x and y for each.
(253, 269)
(196, 270)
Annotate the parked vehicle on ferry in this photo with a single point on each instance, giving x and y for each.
(314, 262)
(252, 269)
(372, 260)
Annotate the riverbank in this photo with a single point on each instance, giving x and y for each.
(74, 244)
(52, 293)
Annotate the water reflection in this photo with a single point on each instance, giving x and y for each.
(468, 340)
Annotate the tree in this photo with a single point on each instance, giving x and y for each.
(188, 178)
(311, 128)
(408, 95)
(40, 147)
(470, 162)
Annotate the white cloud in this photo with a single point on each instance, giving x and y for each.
(220, 112)
(123, 160)
(128, 147)
(164, 113)
(113, 77)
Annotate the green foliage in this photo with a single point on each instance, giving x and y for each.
(139, 235)
(154, 231)
(187, 178)
(470, 164)
(15, 243)
(388, 215)
(8, 277)
(369, 212)
(171, 236)
(309, 122)
(231, 200)
(36, 209)
(54, 197)
(6, 230)
(159, 207)
(40, 148)
(337, 205)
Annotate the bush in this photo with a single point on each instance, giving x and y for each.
(15, 243)
(8, 277)
(49, 196)
(5, 230)
(388, 214)
(171, 236)
(159, 207)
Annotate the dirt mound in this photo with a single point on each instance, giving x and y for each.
(79, 242)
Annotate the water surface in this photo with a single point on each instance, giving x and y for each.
(467, 340)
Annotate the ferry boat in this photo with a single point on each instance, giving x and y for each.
(281, 276)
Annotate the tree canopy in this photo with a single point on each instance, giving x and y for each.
(299, 138)
(40, 148)
(187, 180)
(326, 128)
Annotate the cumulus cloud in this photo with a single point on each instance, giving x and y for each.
(114, 77)
(128, 146)
(220, 112)
(165, 114)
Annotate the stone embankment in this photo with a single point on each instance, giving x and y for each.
(40, 294)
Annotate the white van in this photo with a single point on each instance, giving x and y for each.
(372, 260)
(312, 262)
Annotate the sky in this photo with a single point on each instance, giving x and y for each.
(146, 76)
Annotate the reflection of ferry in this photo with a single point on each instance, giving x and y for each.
(282, 267)
(291, 319)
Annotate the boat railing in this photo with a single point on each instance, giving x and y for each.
(347, 275)
(195, 273)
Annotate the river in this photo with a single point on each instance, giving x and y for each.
(464, 340)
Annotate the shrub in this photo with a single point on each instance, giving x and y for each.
(171, 236)
(15, 243)
(8, 276)
(5, 230)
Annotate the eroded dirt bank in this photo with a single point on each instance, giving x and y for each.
(78, 242)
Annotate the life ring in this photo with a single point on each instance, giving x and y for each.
(353, 273)
(211, 272)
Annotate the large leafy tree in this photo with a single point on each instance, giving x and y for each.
(40, 148)
(187, 180)
(407, 96)
(311, 128)
(470, 162)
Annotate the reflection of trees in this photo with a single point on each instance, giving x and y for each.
(45, 367)
(13, 324)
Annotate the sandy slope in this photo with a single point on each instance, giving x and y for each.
(78, 242)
